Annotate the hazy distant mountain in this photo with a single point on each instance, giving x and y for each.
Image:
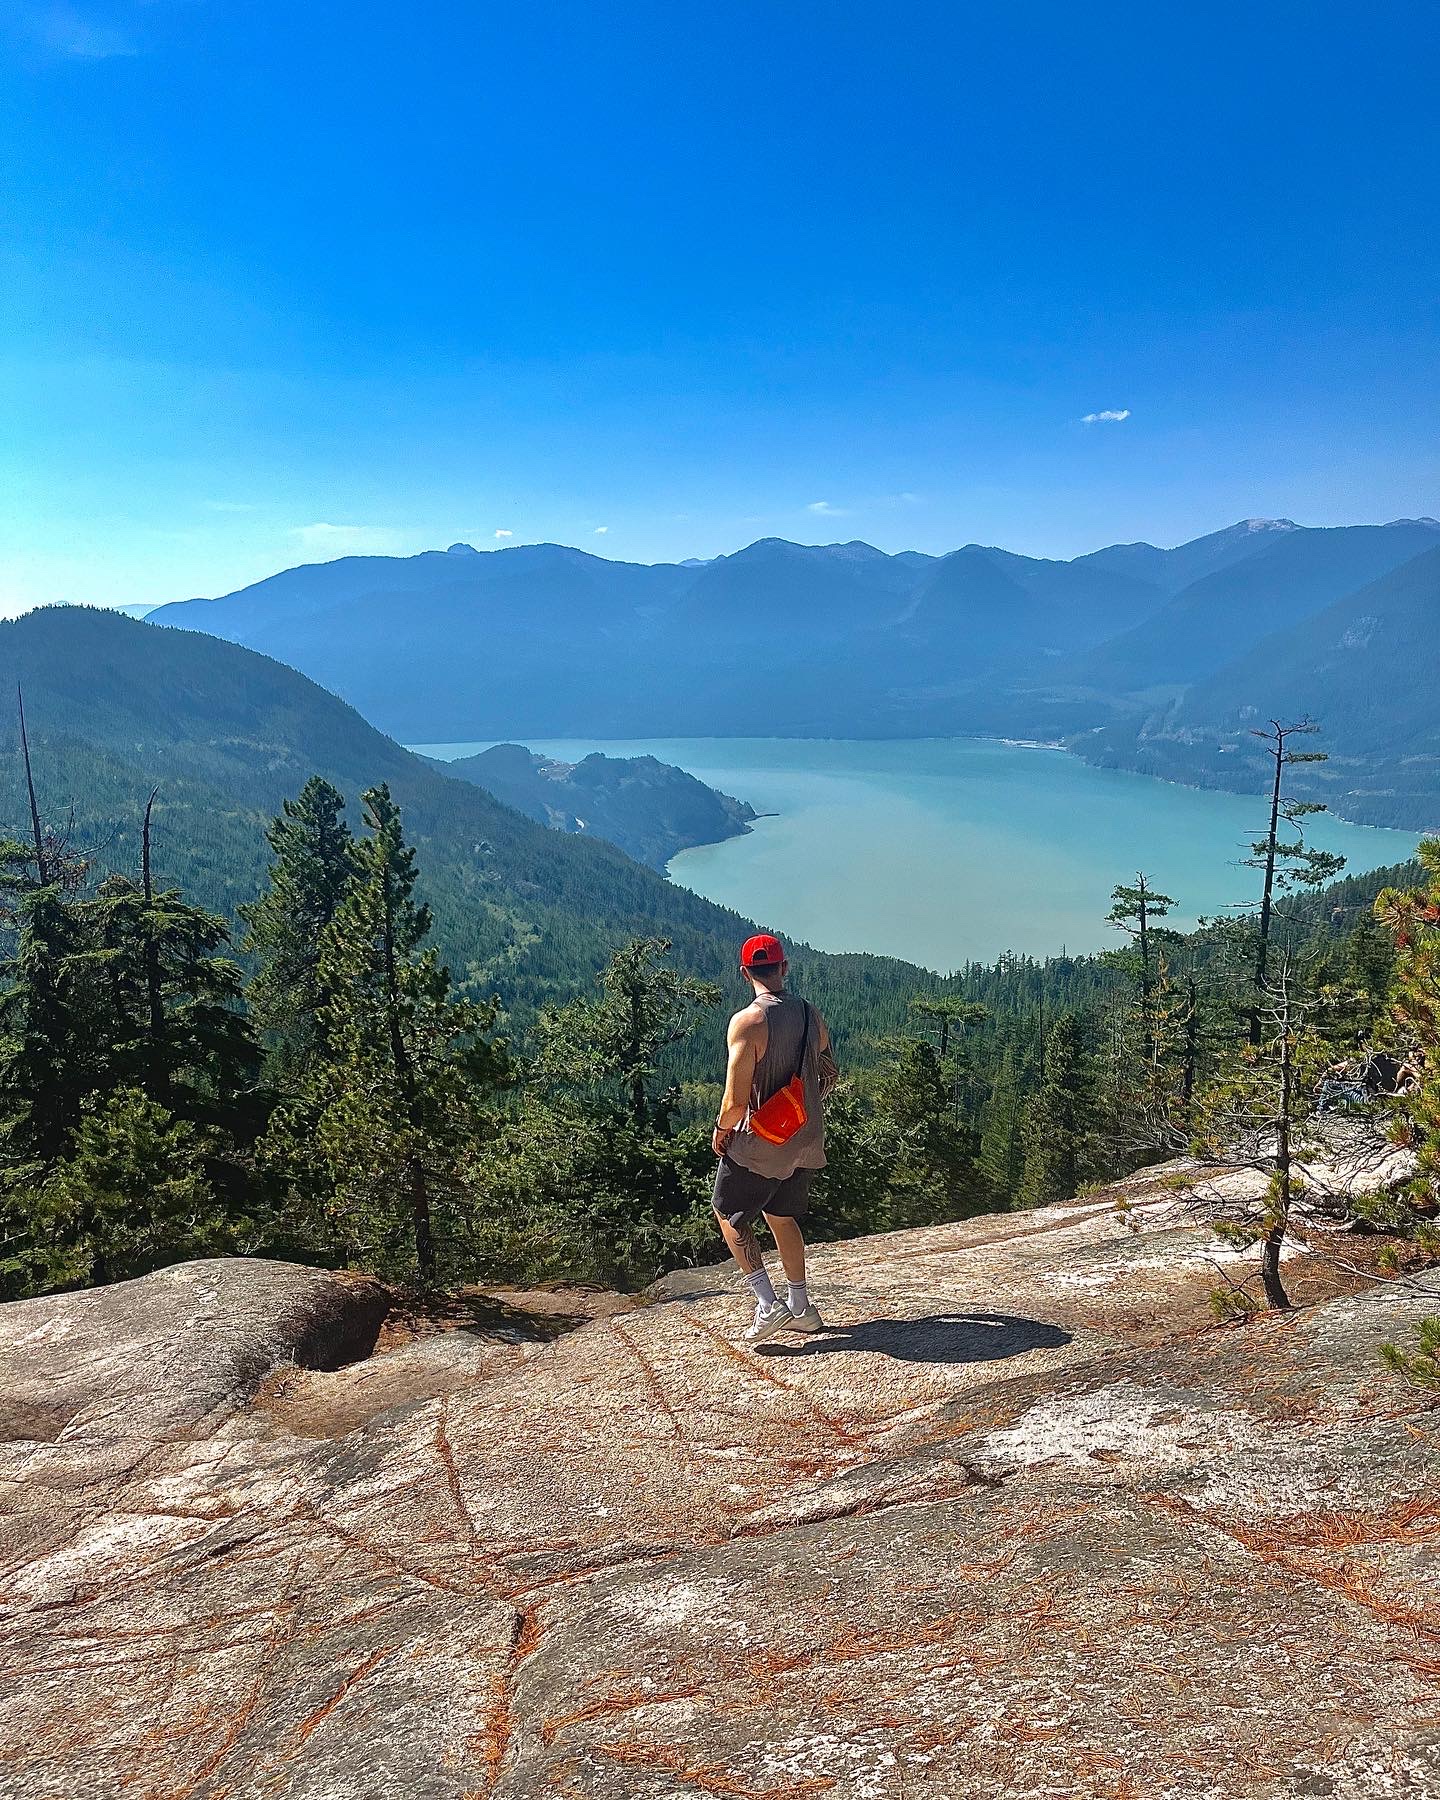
(826, 591)
(783, 639)
(542, 640)
(981, 606)
(449, 645)
(650, 809)
(456, 586)
(1289, 576)
(1366, 667)
(1174, 569)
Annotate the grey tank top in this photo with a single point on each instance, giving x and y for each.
(785, 1022)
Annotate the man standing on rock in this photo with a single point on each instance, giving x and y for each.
(778, 1052)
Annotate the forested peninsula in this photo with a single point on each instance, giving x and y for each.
(648, 808)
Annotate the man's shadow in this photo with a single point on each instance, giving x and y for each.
(958, 1337)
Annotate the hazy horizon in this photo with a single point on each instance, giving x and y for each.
(821, 543)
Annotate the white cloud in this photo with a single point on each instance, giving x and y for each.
(63, 30)
(600, 530)
(504, 534)
(1111, 416)
(229, 506)
(345, 540)
(825, 509)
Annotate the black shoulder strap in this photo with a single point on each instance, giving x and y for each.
(804, 1040)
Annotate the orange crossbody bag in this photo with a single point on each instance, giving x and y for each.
(784, 1112)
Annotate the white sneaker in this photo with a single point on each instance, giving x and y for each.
(809, 1320)
(770, 1324)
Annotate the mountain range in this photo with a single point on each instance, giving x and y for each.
(1368, 665)
(1118, 652)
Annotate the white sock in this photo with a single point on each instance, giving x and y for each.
(797, 1301)
(762, 1290)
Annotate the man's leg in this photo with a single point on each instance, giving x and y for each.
(737, 1192)
(744, 1246)
(789, 1204)
(790, 1242)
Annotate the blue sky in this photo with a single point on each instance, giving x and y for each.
(278, 281)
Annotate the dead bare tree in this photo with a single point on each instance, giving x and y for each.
(154, 995)
(41, 865)
(49, 859)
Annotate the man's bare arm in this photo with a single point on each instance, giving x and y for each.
(742, 1053)
(829, 1068)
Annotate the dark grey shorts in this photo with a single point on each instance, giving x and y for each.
(741, 1195)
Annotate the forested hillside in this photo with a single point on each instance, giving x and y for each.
(117, 707)
(1290, 576)
(1367, 665)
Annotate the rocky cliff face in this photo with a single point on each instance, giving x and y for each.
(1021, 1524)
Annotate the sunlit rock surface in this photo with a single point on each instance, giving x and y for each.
(1021, 1524)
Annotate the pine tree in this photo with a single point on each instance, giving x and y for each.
(948, 1017)
(55, 1030)
(593, 1154)
(122, 1048)
(1284, 863)
(1262, 1113)
(616, 1044)
(133, 1194)
(380, 1134)
(174, 1029)
(1137, 911)
(929, 1152)
(950, 1024)
(1367, 968)
(1059, 1120)
(1002, 1134)
(1412, 917)
(311, 871)
(854, 1185)
(50, 1027)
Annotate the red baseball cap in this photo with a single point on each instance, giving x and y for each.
(762, 952)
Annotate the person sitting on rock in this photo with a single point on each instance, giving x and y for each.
(770, 1134)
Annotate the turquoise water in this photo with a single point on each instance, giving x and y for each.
(946, 850)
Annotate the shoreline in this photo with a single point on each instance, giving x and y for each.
(970, 737)
(898, 825)
(1244, 793)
